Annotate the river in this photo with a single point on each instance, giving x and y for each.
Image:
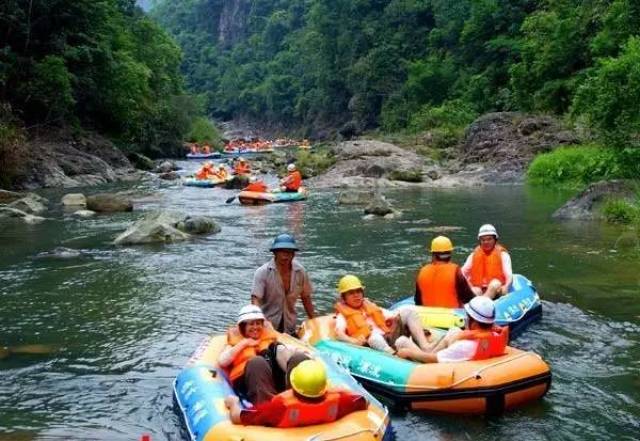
(125, 320)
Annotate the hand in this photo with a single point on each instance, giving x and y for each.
(231, 400)
(361, 340)
(249, 342)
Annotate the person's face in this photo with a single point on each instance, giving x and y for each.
(487, 242)
(253, 328)
(354, 297)
(283, 257)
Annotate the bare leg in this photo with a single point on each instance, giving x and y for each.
(476, 290)
(493, 289)
(412, 321)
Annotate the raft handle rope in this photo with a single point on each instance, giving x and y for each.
(476, 375)
(376, 432)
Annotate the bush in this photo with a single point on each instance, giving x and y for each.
(313, 163)
(621, 211)
(446, 123)
(406, 175)
(11, 146)
(204, 131)
(575, 166)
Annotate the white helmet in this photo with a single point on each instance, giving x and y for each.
(487, 230)
(291, 167)
(241, 159)
(250, 312)
(481, 309)
(253, 179)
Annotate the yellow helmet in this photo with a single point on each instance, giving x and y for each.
(349, 282)
(309, 379)
(441, 244)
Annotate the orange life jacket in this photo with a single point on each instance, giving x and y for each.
(259, 187)
(204, 173)
(300, 413)
(294, 181)
(492, 343)
(239, 363)
(437, 284)
(485, 267)
(357, 318)
(242, 169)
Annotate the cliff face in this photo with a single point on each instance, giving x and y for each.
(233, 21)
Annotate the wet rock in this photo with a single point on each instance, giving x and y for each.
(84, 213)
(444, 229)
(165, 227)
(369, 217)
(198, 225)
(355, 197)
(166, 167)
(7, 196)
(433, 173)
(74, 200)
(8, 212)
(169, 176)
(60, 253)
(141, 161)
(31, 204)
(378, 206)
(32, 220)
(109, 203)
(237, 183)
(585, 205)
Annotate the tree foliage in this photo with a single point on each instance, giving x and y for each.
(100, 64)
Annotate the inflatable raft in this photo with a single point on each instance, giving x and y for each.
(268, 197)
(200, 389)
(519, 308)
(205, 183)
(211, 155)
(473, 387)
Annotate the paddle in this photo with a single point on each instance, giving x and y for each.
(231, 199)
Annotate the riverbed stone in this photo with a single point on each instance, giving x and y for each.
(585, 205)
(9, 212)
(84, 213)
(166, 167)
(169, 176)
(74, 200)
(351, 197)
(198, 225)
(378, 206)
(109, 203)
(32, 220)
(7, 196)
(31, 204)
(237, 183)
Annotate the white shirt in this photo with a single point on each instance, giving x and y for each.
(506, 265)
(461, 350)
(341, 321)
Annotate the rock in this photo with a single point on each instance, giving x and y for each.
(109, 203)
(355, 197)
(31, 219)
(74, 200)
(164, 227)
(166, 167)
(84, 213)
(169, 176)
(434, 173)
(393, 215)
(237, 183)
(368, 216)
(31, 204)
(198, 225)
(60, 253)
(141, 161)
(378, 206)
(585, 205)
(7, 196)
(8, 212)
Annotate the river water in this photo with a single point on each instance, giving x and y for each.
(125, 320)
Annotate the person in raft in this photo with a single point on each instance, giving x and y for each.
(361, 322)
(206, 171)
(255, 185)
(481, 339)
(254, 360)
(441, 282)
(293, 181)
(488, 268)
(241, 167)
(279, 283)
(308, 401)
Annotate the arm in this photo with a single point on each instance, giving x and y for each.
(229, 352)
(465, 294)
(233, 404)
(466, 268)
(341, 332)
(306, 297)
(259, 287)
(506, 269)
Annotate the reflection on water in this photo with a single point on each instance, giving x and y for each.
(125, 320)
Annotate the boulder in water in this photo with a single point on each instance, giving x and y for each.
(237, 183)
(355, 197)
(30, 204)
(169, 176)
(84, 213)
(584, 205)
(378, 206)
(74, 200)
(109, 203)
(166, 167)
(7, 196)
(165, 227)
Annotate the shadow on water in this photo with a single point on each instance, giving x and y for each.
(126, 320)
